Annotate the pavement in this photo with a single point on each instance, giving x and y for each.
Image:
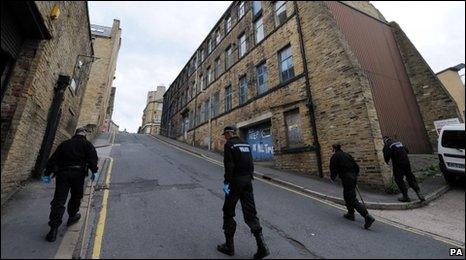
(25, 216)
(322, 188)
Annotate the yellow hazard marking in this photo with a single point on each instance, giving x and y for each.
(99, 233)
(332, 204)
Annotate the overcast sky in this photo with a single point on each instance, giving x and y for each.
(158, 38)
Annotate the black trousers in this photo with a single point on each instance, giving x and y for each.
(66, 181)
(349, 194)
(399, 172)
(241, 190)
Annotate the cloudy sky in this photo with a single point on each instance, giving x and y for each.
(158, 38)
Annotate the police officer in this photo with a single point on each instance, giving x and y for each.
(343, 165)
(69, 163)
(398, 153)
(239, 170)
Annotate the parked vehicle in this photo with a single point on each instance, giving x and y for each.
(451, 146)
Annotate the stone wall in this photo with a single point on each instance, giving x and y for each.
(97, 96)
(344, 106)
(31, 88)
(341, 91)
(279, 98)
(435, 103)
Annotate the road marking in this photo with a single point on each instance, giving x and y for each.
(379, 218)
(99, 233)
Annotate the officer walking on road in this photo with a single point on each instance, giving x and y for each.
(343, 165)
(239, 170)
(69, 164)
(398, 153)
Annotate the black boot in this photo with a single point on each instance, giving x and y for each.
(369, 220)
(262, 250)
(52, 235)
(349, 216)
(73, 219)
(419, 195)
(228, 248)
(404, 198)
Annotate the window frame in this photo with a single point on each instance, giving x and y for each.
(240, 46)
(254, 11)
(300, 140)
(241, 10)
(228, 57)
(266, 73)
(228, 24)
(209, 76)
(280, 63)
(218, 37)
(217, 67)
(243, 89)
(277, 15)
(260, 18)
(228, 98)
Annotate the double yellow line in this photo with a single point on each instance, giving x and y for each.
(99, 233)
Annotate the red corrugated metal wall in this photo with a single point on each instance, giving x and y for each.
(374, 45)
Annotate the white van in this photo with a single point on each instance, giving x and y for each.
(451, 145)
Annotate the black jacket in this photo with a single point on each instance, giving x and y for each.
(76, 151)
(237, 159)
(343, 165)
(397, 152)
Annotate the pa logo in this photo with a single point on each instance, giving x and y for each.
(456, 252)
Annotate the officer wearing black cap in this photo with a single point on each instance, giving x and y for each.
(69, 163)
(343, 165)
(239, 170)
(398, 153)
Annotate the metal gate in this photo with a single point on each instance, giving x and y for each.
(260, 139)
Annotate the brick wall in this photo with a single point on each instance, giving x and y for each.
(344, 106)
(30, 91)
(97, 96)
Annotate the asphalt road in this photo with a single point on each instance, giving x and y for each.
(166, 203)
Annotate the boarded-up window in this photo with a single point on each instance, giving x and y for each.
(293, 128)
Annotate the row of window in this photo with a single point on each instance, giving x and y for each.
(280, 17)
(293, 127)
(211, 74)
(286, 69)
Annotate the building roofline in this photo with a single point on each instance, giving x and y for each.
(454, 68)
(233, 3)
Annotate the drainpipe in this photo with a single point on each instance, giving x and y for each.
(53, 121)
(195, 121)
(309, 104)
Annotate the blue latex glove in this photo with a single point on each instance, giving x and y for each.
(95, 176)
(46, 179)
(226, 188)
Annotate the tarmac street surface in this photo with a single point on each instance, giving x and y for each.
(162, 202)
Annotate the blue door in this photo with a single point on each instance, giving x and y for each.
(260, 139)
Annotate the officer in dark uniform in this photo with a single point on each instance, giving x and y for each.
(343, 165)
(239, 170)
(69, 163)
(398, 153)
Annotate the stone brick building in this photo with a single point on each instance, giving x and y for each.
(108, 124)
(298, 76)
(46, 53)
(95, 109)
(451, 79)
(152, 114)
